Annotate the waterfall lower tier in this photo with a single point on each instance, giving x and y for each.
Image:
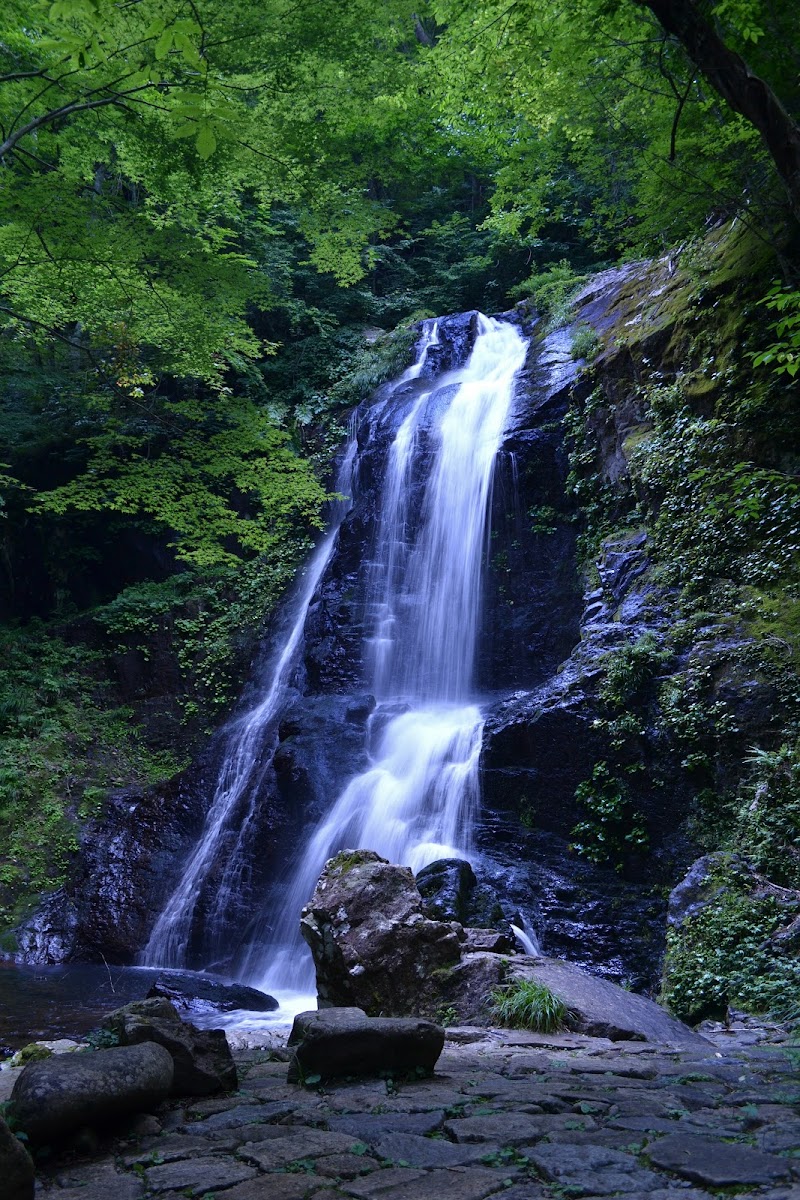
(416, 804)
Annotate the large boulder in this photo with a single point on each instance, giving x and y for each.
(373, 947)
(600, 1008)
(345, 1041)
(16, 1166)
(53, 1097)
(202, 1057)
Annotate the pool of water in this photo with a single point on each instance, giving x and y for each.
(43, 1003)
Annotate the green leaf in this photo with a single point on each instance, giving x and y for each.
(164, 44)
(206, 142)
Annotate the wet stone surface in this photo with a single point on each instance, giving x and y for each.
(522, 1116)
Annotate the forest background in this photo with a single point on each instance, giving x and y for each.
(218, 225)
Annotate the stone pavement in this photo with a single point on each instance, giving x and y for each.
(524, 1116)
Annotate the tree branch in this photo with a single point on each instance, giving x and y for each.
(68, 110)
(730, 76)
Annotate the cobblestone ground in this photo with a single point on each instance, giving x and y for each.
(525, 1116)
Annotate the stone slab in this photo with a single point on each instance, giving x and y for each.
(716, 1164)
(474, 1183)
(381, 1183)
(603, 1009)
(504, 1129)
(278, 1187)
(591, 1170)
(302, 1144)
(367, 1127)
(426, 1152)
(195, 1176)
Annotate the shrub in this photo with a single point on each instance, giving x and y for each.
(585, 343)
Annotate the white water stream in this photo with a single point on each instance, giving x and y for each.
(417, 802)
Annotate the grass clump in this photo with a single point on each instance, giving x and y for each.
(526, 1004)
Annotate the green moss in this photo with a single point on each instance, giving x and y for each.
(33, 1052)
(348, 860)
(62, 747)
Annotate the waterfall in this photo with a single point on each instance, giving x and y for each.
(417, 802)
(418, 799)
(250, 741)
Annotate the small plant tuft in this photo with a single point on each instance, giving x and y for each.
(526, 1004)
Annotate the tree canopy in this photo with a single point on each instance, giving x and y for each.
(174, 172)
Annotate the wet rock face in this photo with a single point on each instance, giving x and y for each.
(450, 891)
(193, 995)
(115, 893)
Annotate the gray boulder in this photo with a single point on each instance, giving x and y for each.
(16, 1166)
(53, 1097)
(600, 1008)
(372, 945)
(345, 1041)
(202, 1057)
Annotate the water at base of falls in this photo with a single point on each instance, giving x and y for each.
(418, 799)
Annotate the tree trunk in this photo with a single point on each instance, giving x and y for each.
(745, 92)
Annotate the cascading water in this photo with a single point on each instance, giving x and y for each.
(251, 740)
(236, 792)
(417, 801)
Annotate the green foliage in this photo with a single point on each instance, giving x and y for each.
(629, 670)
(605, 504)
(726, 953)
(715, 514)
(544, 519)
(769, 821)
(784, 354)
(584, 343)
(61, 750)
(551, 290)
(526, 1004)
(596, 117)
(220, 479)
(209, 620)
(612, 827)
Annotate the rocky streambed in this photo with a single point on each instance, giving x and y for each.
(523, 1115)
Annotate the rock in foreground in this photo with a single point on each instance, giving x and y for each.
(60, 1094)
(202, 1057)
(345, 1041)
